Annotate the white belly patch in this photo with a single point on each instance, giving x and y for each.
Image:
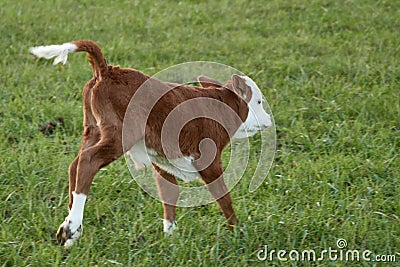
(181, 168)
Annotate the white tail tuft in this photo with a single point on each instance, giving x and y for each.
(58, 51)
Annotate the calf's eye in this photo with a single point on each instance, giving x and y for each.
(259, 102)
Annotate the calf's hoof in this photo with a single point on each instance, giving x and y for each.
(169, 227)
(67, 234)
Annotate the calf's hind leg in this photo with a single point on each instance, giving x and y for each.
(90, 160)
(90, 136)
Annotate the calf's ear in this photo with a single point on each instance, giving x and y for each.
(206, 81)
(240, 87)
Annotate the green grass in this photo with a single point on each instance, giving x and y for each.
(329, 69)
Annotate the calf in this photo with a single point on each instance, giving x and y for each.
(180, 130)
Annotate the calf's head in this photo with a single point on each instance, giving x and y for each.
(257, 119)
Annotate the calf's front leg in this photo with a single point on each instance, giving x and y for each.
(213, 177)
(168, 192)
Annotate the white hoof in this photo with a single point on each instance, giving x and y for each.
(169, 227)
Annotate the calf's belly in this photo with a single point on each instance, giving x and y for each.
(181, 168)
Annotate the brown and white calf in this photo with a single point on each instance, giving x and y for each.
(192, 141)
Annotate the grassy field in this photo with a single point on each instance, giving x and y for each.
(329, 69)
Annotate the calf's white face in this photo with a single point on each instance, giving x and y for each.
(257, 119)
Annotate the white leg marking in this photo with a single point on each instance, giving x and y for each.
(76, 213)
(73, 222)
(169, 227)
